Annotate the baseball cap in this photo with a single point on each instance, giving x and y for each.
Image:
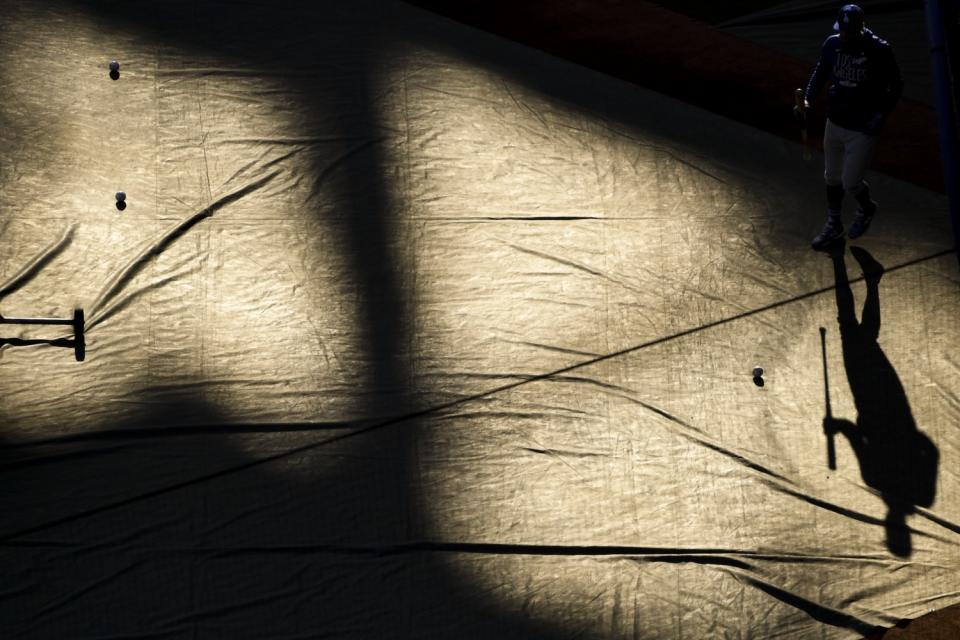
(850, 18)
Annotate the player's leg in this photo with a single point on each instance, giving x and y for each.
(859, 153)
(833, 162)
(846, 316)
(872, 272)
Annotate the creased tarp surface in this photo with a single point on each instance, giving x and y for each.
(407, 331)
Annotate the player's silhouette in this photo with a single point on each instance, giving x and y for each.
(896, 459)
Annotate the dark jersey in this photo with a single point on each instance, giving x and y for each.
(864, 80)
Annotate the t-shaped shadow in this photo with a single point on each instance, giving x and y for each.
(896, 459)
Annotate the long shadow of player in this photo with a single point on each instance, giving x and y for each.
(896, 459)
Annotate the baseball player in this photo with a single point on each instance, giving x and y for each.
(865, 85)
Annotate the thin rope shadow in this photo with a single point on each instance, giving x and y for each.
(382, 424)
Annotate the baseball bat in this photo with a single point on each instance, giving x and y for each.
(798, 99)
(831, 448)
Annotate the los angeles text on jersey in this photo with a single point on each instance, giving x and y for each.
(850, 70)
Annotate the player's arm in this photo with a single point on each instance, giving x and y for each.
(892, 90)
(894, 85)
(821, 73)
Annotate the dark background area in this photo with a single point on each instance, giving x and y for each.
(671, 48)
